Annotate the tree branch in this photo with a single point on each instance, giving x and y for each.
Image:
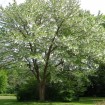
(60, 63)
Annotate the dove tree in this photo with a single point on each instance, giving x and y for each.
(45, 34)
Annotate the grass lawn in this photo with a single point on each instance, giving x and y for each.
(11, 100)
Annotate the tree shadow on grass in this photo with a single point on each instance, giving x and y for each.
(15, 102)
(7, 101)
(83, 101)
(92, 100)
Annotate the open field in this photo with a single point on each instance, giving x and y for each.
(11, 100)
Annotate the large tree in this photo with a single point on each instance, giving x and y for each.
(47, 34)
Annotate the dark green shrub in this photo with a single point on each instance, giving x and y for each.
(97, 87)
(28, 91)
(54, 92)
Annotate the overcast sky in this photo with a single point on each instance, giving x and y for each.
(93, 5)
(5, 2)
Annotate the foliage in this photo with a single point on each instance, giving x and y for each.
(3, 81)
(28, 91)
(57, 92)
(67, 88)
(15, 79)
(97, 86)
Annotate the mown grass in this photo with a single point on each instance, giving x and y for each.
(11, 100)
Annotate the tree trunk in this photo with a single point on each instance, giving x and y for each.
(42, 91)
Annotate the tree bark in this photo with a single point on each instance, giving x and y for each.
(42, 91)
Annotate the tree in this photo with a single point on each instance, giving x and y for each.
(97, 86)
(3, 81)
(45, 35)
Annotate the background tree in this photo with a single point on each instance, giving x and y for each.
(3, 81)
(97, 86)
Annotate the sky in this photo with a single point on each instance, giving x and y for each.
(93, 5)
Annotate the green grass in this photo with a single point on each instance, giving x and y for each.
(11, 100)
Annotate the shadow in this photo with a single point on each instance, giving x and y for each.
(7, 101)
(82, 101)
(91, 100)
(15, 102)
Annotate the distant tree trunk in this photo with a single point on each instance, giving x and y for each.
(42, 91)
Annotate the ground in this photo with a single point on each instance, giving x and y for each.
(11, 100)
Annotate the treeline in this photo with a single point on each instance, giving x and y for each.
(66, 87)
